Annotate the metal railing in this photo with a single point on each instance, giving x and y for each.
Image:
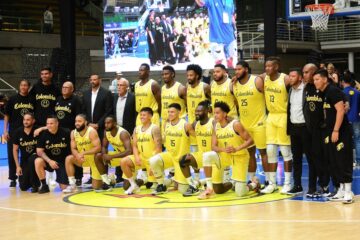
(341, 29)
(94, 11)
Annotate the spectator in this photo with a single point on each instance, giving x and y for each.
(332, 73)
(48, 20)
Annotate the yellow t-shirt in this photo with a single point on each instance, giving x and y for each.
(169, 96)
(176, 140)
(145, 142)
(194, 97)
(115, 141)
(83, 143)
(226, 136)
(144, 96)
(222, 93)
(276, 95)
(203, 135)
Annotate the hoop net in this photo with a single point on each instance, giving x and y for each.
(320, 15)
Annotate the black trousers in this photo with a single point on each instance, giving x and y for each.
(320, 158)
(11, 161)
(300, 144)
(340, 154)
(28, 178)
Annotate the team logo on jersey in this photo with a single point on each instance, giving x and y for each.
(60, 114)
(172, 199)
(45, 103)
(24, 111)
(29, 149)
(56, 151)
(312, 106)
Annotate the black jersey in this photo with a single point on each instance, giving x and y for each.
(56, 146)
(66, 111)
(314, 102)
(16, 107)
(45, 99)
(26, 142)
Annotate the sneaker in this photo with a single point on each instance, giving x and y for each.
(44, 189)
(324, 191)
(78, 182)
(89, 181)
(338, 197)
(208, 193)
(34, 189)
(269, 188)
(334, 192)
(191, 191)
(132, 189)
(70, 189)
(12, 184)
(112, 179)
(119, 179)
(160, 189)
(266, 183)
(285, 189)
(149, 185)
(348, 198)
(104, 188)
(254, 184)
(295, 190)
(312, 194)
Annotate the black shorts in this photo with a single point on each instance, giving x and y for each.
(61, 176)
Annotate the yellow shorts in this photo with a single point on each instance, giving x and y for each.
(90, 162)
(171, 161)
(276, 124)
(258, 134)
(115, 162)
(144, 164)
(198, 158)
(218, 173)
(155, 119)
(240, 165)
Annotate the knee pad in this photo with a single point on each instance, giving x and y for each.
(182, 188)
(157, 166)
(210, 158)
(286, 153)
(241, 189)
(271, 151)
(184, 161)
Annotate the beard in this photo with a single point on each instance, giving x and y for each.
(79, 129)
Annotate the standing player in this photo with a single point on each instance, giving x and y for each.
(147, 94)
(229, 143)
(177, 144)
(221, 90)
(276, 97)
(196, 92)
(120, 140)
(85, 144)
(203, 127)
(146, 143)
(171, 92)
(249, 93)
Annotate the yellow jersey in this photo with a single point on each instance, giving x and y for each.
(222, 93)
(169, 96)
(194, 97)
(203, 135)
(145, 142)
(83, 143)
(251, 103)
(115, 141)
(144, 96)
(176, 140)
(226, 136)
(276, 95)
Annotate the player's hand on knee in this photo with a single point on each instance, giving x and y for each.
(53, 164)
(138, 161)
(107, 158)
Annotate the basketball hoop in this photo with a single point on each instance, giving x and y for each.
(320, 15)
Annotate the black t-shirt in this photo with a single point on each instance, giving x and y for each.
(16, 107)
(56, 146)
(332, 95)
(45, 99)
(66, 111)
(27, 143)
(314, 102)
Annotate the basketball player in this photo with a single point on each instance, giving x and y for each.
(276, 97)
(203, 127)
(196, 92)
(85, 144)
(177, 144)
(146, 143)
(120, 140)
(230, 141)
(249, 93)
(147, 94)
(221, 90)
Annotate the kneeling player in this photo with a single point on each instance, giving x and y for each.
(146, 143)
(85, 144)
(120, 140)
(229, 144)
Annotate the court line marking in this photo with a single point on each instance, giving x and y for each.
(347, 221)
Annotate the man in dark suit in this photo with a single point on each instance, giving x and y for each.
(124, 111)
(97, 105)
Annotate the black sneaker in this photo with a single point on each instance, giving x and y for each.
(191, 191)
(44, 189)
(148, 185)
(324, 192)
(34, 189)
(89, 181)
(12, 184)
(266, 183)
(333, 193)
(160, 189)
(312, 194)
(295, 190)
(104, 188)
(78, 182)
(119, 179)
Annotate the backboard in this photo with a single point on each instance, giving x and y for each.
(295, 9)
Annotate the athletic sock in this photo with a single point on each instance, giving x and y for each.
(209, 183)
(347, 187)
(105, 179)
(160, 180)
(72, 181)
(266, 176)
(190, 181)
(132, 181)
(251, 175)
(43, 182)
(197, 176)
(272, 177)
(287, 179)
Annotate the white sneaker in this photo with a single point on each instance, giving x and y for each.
(132, 189)
(144, 177)
(348, 198)
(70, 189)
(285, 189)
(269, 189)
(338, 197)
(51, 179)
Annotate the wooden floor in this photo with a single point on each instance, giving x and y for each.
(32, 216)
